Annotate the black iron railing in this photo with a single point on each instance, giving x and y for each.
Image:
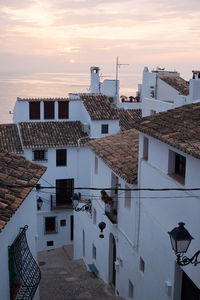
(26, 267)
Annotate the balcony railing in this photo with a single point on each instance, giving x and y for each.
(110, 206)
(60, 201)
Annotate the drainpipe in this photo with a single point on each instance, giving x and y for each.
(139, 206)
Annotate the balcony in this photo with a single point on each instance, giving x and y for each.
(60, 201)
(110, 206)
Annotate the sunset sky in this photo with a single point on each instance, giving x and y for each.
(70, 36)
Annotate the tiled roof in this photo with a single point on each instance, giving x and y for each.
(178, 83)
(45, 99)
(120, 153)
(9, 138)
(51, 134)
(179, 127)
(99, 107)
(15, 170)
(128, 117)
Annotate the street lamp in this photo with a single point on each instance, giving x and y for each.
(39, 203)
(180, 240)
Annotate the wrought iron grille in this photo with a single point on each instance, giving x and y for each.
(26, 267)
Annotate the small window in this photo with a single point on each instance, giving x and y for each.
(39, 155)
(104, 128)
(145, 148)
(152, 112)
(95, 165)
(130, 290)
(49, 110)
(177, 166)
(34, 110)
(61, 157)
(63, 109)
(62, 223)
(50, 243)
(127, 201)
(94, 216)
(94, 254)
(142, 265)
(50, 225)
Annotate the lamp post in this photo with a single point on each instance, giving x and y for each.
(180, 240)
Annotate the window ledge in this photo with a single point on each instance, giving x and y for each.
(178, 178)
(145, 158)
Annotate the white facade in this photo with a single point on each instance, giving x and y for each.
(25, 215)
(145, 265)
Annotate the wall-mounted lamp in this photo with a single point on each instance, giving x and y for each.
(39, 203)
(102, 226)
(180, 240)
(76, 199)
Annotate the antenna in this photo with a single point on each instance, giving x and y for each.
(118, 65)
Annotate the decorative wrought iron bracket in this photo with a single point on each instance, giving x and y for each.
(184, 260)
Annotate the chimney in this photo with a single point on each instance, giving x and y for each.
(94, 80)
(194, 88)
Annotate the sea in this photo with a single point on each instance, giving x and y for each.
(44, 85)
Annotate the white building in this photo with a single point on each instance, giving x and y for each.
(54, 132)
(135, 254)
(18, 227)
(163, 90)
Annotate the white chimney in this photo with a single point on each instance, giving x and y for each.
(194, 89)
(94, 80)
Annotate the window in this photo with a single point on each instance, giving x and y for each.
(50, 225)
(63, 109)
(130, 290)
(49, 110)
(50, 243)
(39, 155)
(95, 165)
(94, 251)
(152, 112)
(61, 157)
(145, 148)
(104, 128)
(34, 110)
(142, 265)
(127, 201)
(94, 216)
(177, 166)
(62, 223)
(64, 190)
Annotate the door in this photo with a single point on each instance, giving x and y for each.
(64, 191)
(189, 290)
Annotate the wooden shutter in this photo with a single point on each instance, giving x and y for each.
(63, 109)
(49, 110)
(34, 110)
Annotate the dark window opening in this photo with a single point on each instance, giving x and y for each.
(180, 165)
(64, 190)
(34, 110)
(62, 222)
(50, 243)
(104, 128)
(63, 110)
(49, 110)
(72, 228)
(39, 154)
(50, 225)
(61, 157)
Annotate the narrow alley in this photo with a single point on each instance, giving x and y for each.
(66, 279)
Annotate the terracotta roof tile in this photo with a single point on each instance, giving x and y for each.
(128, 117)
(120, 153)
(46, 99)
(178, 83)
(179, 127)
(99, 107)
(9, 138)
(21, 171)
(51, 134)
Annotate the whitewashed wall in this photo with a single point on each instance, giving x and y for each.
(160, 215)
(96, 128)
(25, 215)
(149, 105)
